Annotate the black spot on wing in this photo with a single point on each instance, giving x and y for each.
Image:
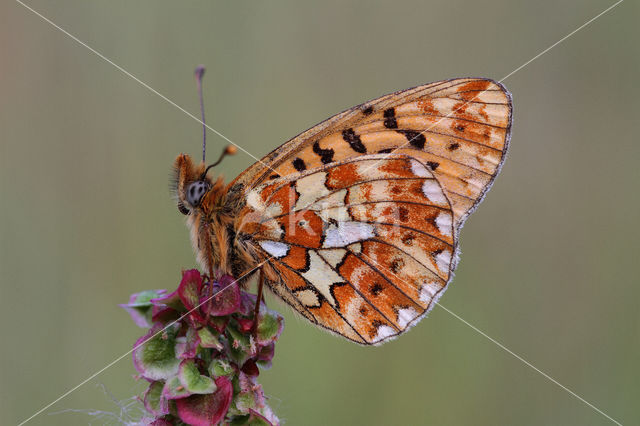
(326, 155)
(368, 110)
(403, 214)
(385, 151)
(408, 239)
(433, 164)
(390, 118)
(354, 141)
(298, 163)
(416, 139)
(396, 265)
(376, 289)
(375, 325)
(453, 146)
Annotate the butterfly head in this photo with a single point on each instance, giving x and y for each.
(194, 190)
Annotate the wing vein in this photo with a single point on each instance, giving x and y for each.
(409, 255)
(441, 134)
(333, 308)
(385, 278)
(348, 206)
(360, 293)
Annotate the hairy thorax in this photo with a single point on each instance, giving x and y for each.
(218, 248)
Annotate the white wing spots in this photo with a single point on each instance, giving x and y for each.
(352, 310)
(308, 298)
(255, 201)
(310, 189)
(443, 260)
(405, 316)
(384, 331)
(433, 192)
(355, 248)
(428, 290)
(335, 199)
(334, 256)
(321, 276)
(347, 233)
(367, 169)
(275, 248)
(370, 191)
(273, 210)
(338, 214)
(443, 222)
(358, 273)
(419, 169)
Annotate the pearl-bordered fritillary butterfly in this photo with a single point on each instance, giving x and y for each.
(355, 222)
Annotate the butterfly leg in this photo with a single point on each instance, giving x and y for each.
(209, 295)
(256, 311)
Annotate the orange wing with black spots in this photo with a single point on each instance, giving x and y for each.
(358, 217)
(361, 247)
(460, 127)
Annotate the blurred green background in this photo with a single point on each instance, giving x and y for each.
(549, 262)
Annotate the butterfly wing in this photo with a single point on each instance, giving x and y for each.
(358, 216)
(361, 247)
(460, 127)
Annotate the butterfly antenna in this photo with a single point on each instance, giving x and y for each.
(199, 72)
(228, 150)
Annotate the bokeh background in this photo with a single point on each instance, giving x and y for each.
(549, 262)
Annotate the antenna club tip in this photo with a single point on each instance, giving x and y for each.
(199, 71)
(230, 150)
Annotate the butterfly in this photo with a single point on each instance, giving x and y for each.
(355, 222)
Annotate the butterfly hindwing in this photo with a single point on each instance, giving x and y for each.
(360, 247)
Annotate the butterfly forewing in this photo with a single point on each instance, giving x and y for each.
(461, 127)
(358, 217)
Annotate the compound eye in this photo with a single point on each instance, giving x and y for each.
(195, 192)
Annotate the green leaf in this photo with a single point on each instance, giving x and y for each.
(209, 340)
(192, 380)
(140, 308)
(153, 401)
(239, 345)
(220, 367)
(270, 325)
(253, 419)
(174, 389)
(154, 355)
(244, 401)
